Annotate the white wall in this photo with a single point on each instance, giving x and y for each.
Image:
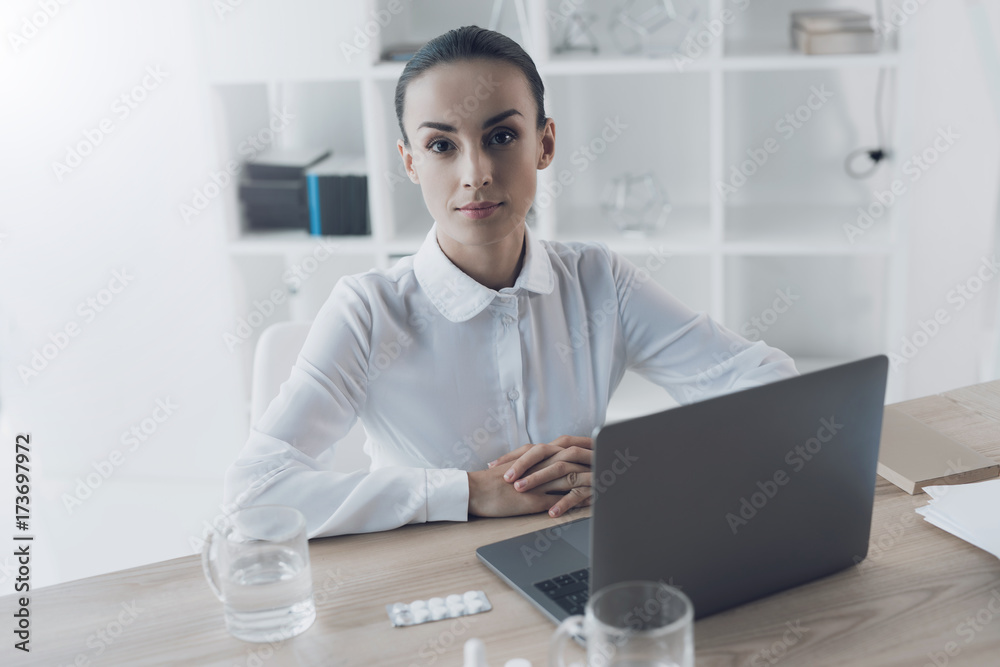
(161, 336)
(952, 207)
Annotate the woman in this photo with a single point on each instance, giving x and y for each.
(481, 365)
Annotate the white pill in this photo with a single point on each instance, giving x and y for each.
(404, 618)
(471, 595)
(455, 610)
(474, 606)
(436, 602)
(437, 613)
(398, 607)
(420, 615)
(418, 604)
(453, 599)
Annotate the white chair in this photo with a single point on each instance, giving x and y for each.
(277, 349)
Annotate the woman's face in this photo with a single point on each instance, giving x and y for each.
(471, 126)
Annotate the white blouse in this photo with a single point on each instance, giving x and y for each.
(447, 374)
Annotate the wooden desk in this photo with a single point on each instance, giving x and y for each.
(913, 597)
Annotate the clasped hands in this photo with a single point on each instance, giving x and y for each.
(552, 476)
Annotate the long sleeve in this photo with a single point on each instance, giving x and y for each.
(447, 374)
(315, 408)
(688, 353)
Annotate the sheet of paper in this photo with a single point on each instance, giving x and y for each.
(968, 511)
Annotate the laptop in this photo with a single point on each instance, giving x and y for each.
(729, 499)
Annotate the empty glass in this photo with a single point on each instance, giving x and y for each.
(258, 565)
(632, 624)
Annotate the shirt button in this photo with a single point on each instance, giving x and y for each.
(513, 395)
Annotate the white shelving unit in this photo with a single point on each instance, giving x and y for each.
(690, 123)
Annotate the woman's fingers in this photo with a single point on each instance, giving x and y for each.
(529, 459)
(564, 451)
(541, 456)
(571, 472)
(577, 496)
(562, 442)
(566, 441)
(510, 456)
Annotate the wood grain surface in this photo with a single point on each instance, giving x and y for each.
(922, 597)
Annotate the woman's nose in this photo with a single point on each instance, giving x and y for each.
(477, 169)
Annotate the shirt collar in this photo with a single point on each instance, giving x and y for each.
(458, 296)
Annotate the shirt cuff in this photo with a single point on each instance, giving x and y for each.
(447, 494)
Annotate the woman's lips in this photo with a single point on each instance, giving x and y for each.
(478, 213)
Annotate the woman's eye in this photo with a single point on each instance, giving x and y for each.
(507, 137)
(435, 143)
(505, 133)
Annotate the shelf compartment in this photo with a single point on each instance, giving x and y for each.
(326, 114)
(418, 24)
(771, 56)
(802, 229)
(257, 117)
(557, 12)
(809, 306)
(686, 230)
(298, 242)
(759, 37)
(788, 134)
(607, 126)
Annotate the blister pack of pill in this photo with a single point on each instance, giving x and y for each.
(437, 609)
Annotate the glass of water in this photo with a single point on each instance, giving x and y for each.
(632, 624)
(257, 564)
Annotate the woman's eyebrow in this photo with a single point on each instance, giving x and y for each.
(444, 127)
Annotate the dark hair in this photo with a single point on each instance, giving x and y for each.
(468, 43)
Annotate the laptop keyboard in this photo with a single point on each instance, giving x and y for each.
(569, 591)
